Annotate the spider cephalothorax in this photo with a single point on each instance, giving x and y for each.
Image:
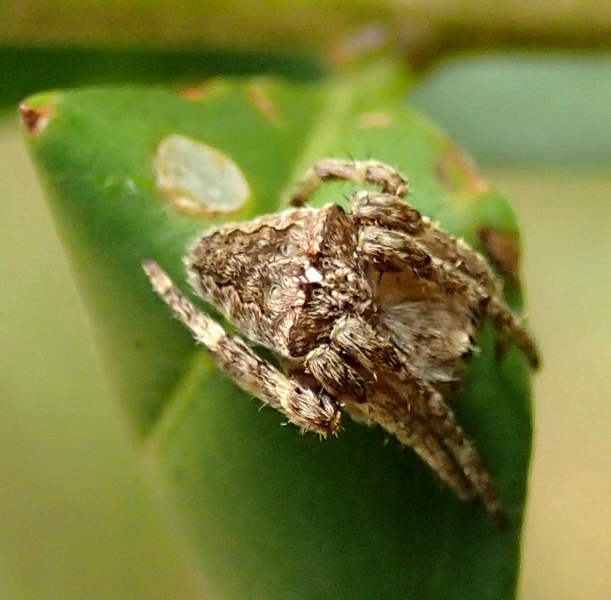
(372, 311)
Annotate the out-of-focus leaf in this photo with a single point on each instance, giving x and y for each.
(27, 70)
(524, 108)
(272, 513)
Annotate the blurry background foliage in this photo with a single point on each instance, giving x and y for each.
(524, 87)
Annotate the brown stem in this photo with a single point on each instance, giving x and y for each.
(426, 29)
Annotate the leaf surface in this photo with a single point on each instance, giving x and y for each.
(269, 512)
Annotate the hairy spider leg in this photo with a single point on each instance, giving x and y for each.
(393, 249)
(343, 382)
(367, 171)
(390, 212)
(449, 253)
(302, 406)
(415, 397)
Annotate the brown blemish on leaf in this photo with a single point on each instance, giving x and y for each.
(198, 179)
(205, 91)
(34, 119)
(372, 120)
(456, 170)
(257, 93)
(504, 252)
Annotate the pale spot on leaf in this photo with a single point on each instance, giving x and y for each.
(197, 178)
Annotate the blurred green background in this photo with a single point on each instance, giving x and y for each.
(78, 518)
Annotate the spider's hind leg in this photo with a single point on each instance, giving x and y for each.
(344, 382)
(412, 400)
(459, 271)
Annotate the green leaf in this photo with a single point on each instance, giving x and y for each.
(25, 70)
(272, 513)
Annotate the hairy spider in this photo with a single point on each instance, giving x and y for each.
(372, 311)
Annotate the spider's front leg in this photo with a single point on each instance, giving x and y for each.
(366, 171)
(303, 406)
(394, 236)
(386, 211)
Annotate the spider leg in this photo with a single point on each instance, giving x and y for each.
(367, 171)
(343, 382)
(413, 432)
(396, 250)
(389, 212)
(335, 375)
(415, 397)
(302, 405)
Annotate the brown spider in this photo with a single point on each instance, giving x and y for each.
(372, 311)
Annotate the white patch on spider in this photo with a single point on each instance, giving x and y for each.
(197, 178)
(312, 275)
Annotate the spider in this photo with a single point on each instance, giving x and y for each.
(372, 311)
